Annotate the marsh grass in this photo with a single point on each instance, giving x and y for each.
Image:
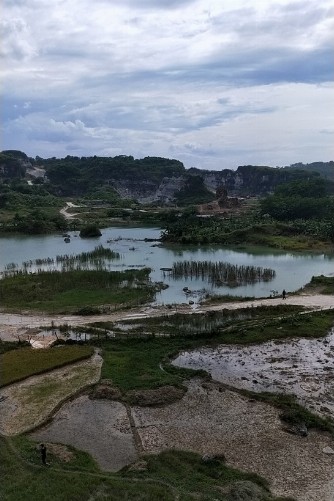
(55, 291)
(218, 273)
(94, 259)
(136, 364)
(19, 364)
(207, 324)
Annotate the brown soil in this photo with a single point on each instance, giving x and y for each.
(209, 420)
(161, 396)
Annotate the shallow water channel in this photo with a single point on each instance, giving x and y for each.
(293, 270)
(303, 367)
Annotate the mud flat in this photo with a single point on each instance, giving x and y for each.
(302, 367)
(100, 427)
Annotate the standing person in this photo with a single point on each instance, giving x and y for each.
(284, 294)
(43, 454)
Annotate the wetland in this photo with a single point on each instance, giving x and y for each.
(238, 366)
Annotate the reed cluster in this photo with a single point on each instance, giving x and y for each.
(95, 259)
(221, 273)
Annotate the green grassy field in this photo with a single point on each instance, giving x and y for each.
(19, 364)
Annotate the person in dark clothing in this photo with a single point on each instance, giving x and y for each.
(43, 454)
(284, 294)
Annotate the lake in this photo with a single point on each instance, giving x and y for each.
(293, 270)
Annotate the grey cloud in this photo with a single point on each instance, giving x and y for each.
(279, 20)
(154, 4)
(265, 66)
(327, 131)
(17, 42)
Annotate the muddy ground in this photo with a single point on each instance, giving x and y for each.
(207, 420)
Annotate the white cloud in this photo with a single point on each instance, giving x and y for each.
(215, 83)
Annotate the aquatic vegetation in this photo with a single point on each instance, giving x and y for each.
(95, 259)
(221, 273)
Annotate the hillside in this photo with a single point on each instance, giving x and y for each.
(156, 180)
(324, 169)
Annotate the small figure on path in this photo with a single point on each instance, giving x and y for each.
(43, 454)
(284, 294)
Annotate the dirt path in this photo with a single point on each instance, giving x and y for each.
(68, 215)
(12, 325)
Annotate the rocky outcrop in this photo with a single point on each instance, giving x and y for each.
(13, 164)
(148, 191)
(250, 180)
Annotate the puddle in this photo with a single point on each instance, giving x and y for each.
(302, 367)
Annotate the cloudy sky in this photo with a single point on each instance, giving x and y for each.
(213, 83)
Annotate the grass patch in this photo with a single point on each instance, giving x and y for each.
(12, 345)
(226, 298)
(73, 460)
(68, 291)
(322, 284)
(170, 474)
(204, 478)
(308, 325)
(16, 365)
(136, 364)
